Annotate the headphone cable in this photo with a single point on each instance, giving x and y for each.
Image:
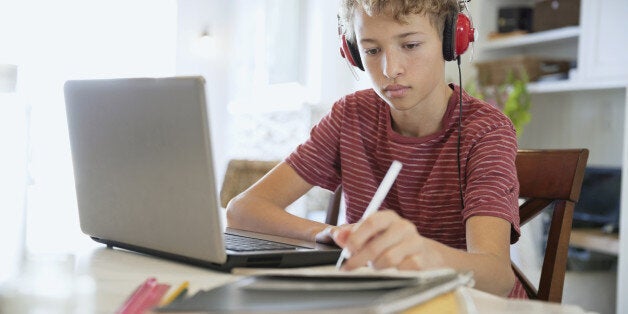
(459, 132)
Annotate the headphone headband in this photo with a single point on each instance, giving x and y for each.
(458, 33)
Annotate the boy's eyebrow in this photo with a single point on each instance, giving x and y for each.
(400, 36)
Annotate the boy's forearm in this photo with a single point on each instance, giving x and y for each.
(264, 217)
(491, 273)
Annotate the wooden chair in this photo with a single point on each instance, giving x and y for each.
(333, 210)
(551, 177)
(240, 175)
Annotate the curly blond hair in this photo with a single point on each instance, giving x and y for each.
(436, 10)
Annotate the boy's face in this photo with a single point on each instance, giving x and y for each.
(404, 61)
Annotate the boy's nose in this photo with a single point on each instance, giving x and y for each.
(392, 66)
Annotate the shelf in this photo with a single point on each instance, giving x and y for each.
(574, 86)
(570, 85)
(595, 240)
(554, 35)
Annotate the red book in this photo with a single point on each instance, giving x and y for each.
(146, 296)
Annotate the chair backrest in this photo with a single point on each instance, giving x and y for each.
(546, 177)
(550, 177)
(333, 210)
(240, 175)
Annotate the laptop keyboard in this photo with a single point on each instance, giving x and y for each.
(242, 244)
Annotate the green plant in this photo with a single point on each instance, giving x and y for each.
(512, 97)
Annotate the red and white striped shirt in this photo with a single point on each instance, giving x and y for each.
(354, 145)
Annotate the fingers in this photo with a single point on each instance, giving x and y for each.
(329, 234)
(383, 240)
(337, 234)
(325, 236)
(396, 245)
(412, 262)
(363, 231)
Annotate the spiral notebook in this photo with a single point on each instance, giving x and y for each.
(305, 291)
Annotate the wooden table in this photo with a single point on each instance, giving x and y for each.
(99, 280)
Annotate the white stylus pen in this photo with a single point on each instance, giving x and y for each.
(375, 203)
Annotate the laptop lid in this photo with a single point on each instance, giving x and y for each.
(144, 173)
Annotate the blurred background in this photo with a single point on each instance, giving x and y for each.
(273, 69)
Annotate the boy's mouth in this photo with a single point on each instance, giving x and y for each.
(396, 90)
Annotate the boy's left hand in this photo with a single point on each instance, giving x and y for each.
(327, 235)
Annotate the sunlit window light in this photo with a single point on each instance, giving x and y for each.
(72, 39)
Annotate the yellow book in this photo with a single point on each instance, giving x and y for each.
(181, 289)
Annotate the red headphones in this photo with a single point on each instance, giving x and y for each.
(456, 40)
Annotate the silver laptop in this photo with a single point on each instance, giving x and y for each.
(145, 181)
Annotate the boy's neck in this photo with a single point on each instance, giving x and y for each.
(426, 118)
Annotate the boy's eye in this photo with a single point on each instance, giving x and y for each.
(371, 51)
(412, 45)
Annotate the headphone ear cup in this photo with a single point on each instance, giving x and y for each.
(449, 39)
(350, 51)
(457, 34)
(465, 33)
(355, 54)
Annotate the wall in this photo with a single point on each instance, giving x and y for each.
(194, 18)
(589, 119)
(324, 72)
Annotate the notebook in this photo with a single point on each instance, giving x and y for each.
(145, 180)
(314, 291)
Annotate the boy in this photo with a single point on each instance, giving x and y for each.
(434, 215)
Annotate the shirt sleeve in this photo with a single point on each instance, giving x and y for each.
(492, 187)
(317, 160)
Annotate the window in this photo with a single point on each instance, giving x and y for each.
(270, 63)
(54, 41)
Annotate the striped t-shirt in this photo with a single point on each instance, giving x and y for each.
(354, 145)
